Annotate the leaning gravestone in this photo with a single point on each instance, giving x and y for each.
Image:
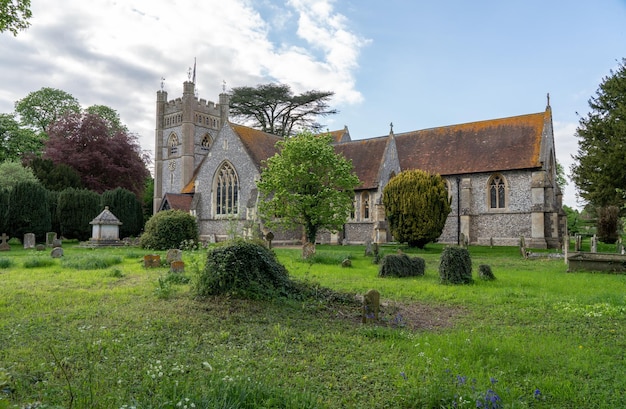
(29, 241)
(4, 246)
(57, 243)
(57, 252)
(371, 306)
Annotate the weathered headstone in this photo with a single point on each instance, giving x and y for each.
(522, 247)
(346, 263)
(151, 260)
(40, 247)
(57, 243)
(173, 255)
(371, 306)
(177, 266)
(594, 244)
(57, 252)
(619, 247)
(50, 237)
(369, 251)
(4, 246)
(29, 240)
(578, 242)
(565, 247)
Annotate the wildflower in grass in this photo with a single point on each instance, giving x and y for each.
(490, 400)
(461, 380)
(537, 394)
(403, 375)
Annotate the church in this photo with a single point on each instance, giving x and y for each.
(500, 175)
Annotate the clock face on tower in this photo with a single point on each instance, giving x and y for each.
(172, 165)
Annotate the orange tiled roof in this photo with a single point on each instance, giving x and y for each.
(260, 145)
(485, 146)
(366, 156)
(179, 201)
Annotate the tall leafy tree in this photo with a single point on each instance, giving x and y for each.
(598, 170)
(28, 210)
(13, 172)
(17, 141)
(274, 108)
(76, 209)
(41, 108)
(14, 15)
(103, 161)
(53, 176)
(307, 184)
(110, 115)
(127, 208)
(416, 206)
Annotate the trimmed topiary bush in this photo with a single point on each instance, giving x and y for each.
(485, 273)
(243, 269)
(455, 266)
(401, 265)
(168, 229)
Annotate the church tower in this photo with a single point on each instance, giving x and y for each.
(185, 130)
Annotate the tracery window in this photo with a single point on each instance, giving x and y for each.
(226, 190)
(365, 205)
(497, 192)
(172, 144)
(206, 142)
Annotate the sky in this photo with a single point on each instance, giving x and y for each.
(416, 64)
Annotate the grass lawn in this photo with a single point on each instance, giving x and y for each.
(96, 329)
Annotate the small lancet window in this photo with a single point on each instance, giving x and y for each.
(365, 205)
(172, 144)
(497, 193)
(206, 142)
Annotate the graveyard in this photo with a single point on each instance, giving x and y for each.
(120, 327)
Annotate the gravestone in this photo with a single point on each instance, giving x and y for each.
(269, 236)
(594, 244)
(369, 251)
(40, 247)
(177, 266)
(173, 255)
(50, 237)
(57, 252)
(152, 260)
(29, 241)
(371, 306)
(565, 247)
(57, 243)
(619, 247)
(578, 242)
(4, 246)
(346, 263)
(522, 247)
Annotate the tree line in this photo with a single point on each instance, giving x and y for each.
(30, 208)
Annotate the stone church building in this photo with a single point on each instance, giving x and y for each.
(500, 174)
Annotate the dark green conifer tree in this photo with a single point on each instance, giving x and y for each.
(76, 209)
(28, 210)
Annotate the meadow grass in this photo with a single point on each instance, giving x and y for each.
(124, 336)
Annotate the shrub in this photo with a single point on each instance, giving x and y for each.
(401, 265)
(485, 273)
(6, 263)
(168, 229)
(244, 269)
(455, 266)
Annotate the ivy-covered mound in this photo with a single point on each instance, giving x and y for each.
(247, 269)
(401, 265)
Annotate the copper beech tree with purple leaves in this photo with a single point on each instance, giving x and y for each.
(104, 160)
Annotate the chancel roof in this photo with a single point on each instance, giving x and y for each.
(485, 146)
(366, 156)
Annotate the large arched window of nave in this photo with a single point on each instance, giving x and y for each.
(496, 192)
(226, 188)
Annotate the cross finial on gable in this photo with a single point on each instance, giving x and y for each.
(548, 97)
(391, 128)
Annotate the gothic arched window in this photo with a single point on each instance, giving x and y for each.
(226, 190)
(205, 144)
(172, 144)
(497, 192)
(365, 205)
